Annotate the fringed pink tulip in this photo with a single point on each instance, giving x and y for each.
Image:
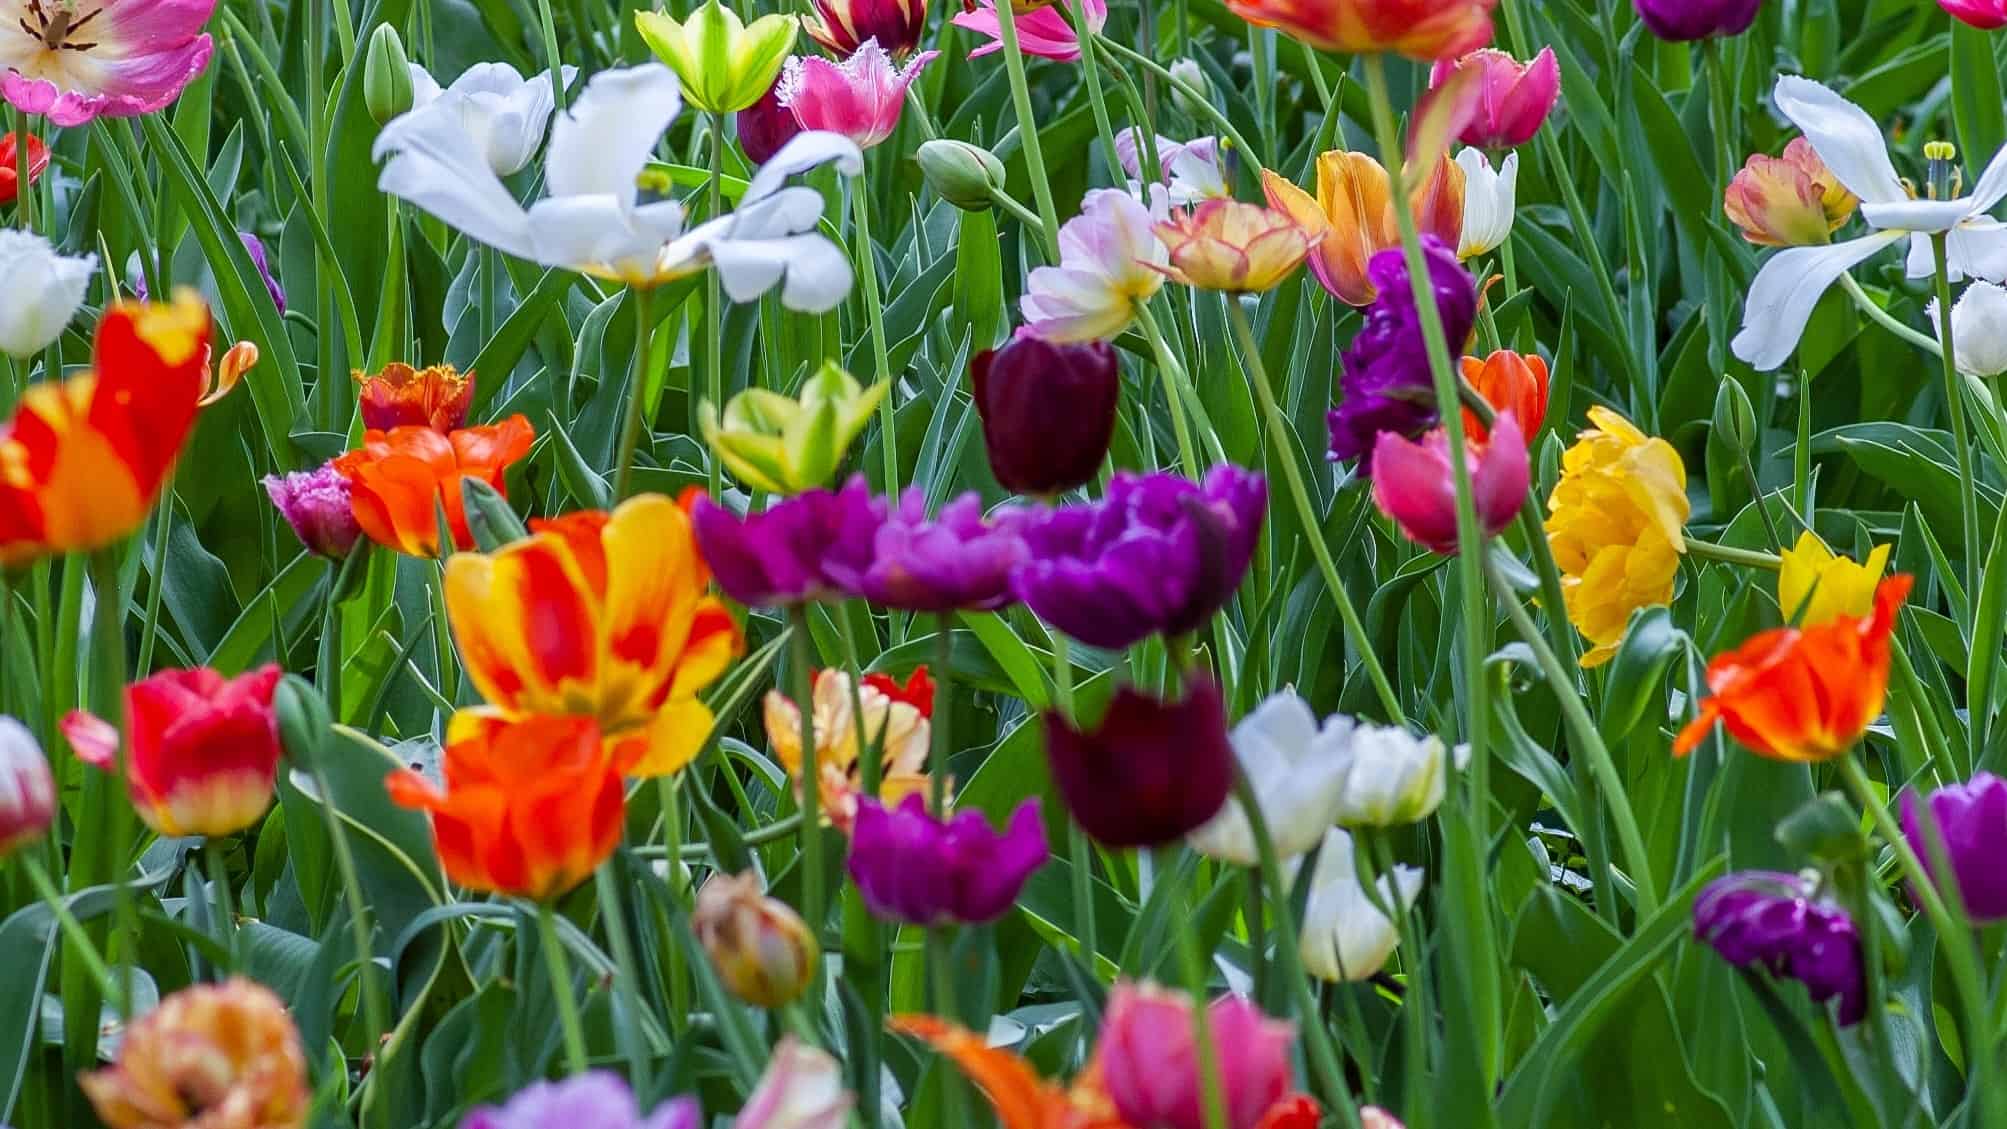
(859, 98)
(1045, 33)
(75, 63)
(1514, 97)
(1414, 487)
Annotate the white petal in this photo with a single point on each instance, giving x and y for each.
(1845, 137)
(1344, 937)
(600, 145)
(438, 168)
(1977, 249)
(45, 290)
(580, 231)
(1786, 290)
(790, 211)
(1992, 185)
(1918, 215)
(803, 152)
(1979, 329)
(813, 273)
(424, 88)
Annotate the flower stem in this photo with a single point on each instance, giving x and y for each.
(225, 912)
(1168, 366)
(714, 314)
(1728, 554)
(375, 1007)
(1212, 1091)
(24, 196)
(1885, 319)
(943, 719)
(1027, 127)
(73, 930)
(613, 912)
(1415, 1001)
(874, 312)
(630, 422)
(1954, 401)
(1195, 97)
(1280, 438)
(801, 646)
(560, 974)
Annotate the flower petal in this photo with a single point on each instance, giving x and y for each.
(1786, 290)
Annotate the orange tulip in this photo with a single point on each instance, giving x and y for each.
(1509, 382)
(1803, 695)
(401, 396)
(1022, 1099)
(83, 459)
(1354, 207)
(400, 477)
(531, 806)
(602, 615)
(1419, 29)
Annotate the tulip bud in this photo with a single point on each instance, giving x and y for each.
(1189, 71)
(1792, 200)
(27, 791)
(1979, 329)
(386, 75)
(304, 721)
(1731, 437)
(964, 175)
(785, 446)
(1048, 411)
(1734, 418)
(763, 951)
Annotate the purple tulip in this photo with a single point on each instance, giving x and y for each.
(1971, 821)
(253, 247)
(1386, 384)
(957, 561)
(813, 546)
(1151, 772)
(1682, 21)
(316, 504)
(916, 869)
(1048, 411)
(597, 1098)
(1761, 918)
(1158, 555)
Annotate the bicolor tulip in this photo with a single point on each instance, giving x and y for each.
(1190, 171)
(1151, 772)
(787, 444)
(1296, 768)
(895, 720)
(1235, 247)
(1686, 21)
(859, 98)
(1108, 260)
(1978, 329)
(44, 291)
(1986, 15)
(318, 507)
(118, 60)
(810, 547)
(764, 953)
(211, 1054)
(1414, 484)
(1816, 586)
(1792, 200)
(1515, 97)
(915, 868)
(401, 480)
(1764, 919)
(1962, 825)
(1033, 449)
(843, 26)
(1149, 1061)
(1509, 382)
(802, 1088)
(27, 788)
(1045, 32)
(1490, 202)
(1420, 29)
(10, 164)
(725, 64)
(1345, 936)
(437, 397)
(600, 1099)
(1354, 207)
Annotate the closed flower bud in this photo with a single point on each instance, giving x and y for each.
(1152, 772)
(762, 950)
(723, 63)
(1509, 382)
(1490, 202)
(1734, 417)
(1979, 329)
(1986, 15)
(27, 790)
(1393, 777)
(1792, 200)
(801, 1089)
(960, 173)
(1048, 411)
(1189, 71)
(765, 126)
(386, 75)
(786, 445)
(10, 167)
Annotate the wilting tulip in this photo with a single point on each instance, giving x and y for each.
(27, 789)
(765, 126)
(1108, 255)
(1032, 448)
(1490, 202)
(798, 550)
(1986, 15)
(1297, 770)
(1509, 382)
(1420, 29)
(437, 397)
(202, 751)
(1149, 1060)
(1966, 824)
(1354, 203)
(1763, 919)
(1414, 484)
(762, 950)
(603, 615)
(1045, 33)
(529, 807)
(1978, 329)
(959, 560)
(1387, 384)
(1516, 97)
(1683, 21)
(223, 1055)
(914, 868)
(400, 480)
(1151, 772)
(44, 291)
(801, 1089)
(598, 1099)
(843, 26)
(896, 722)
(1235, 247)
(1345, 937)
(316, 504)
(1802, 695)
(1815, 586)
(859, 98)
(785, 445)
(1789, 201)
(112, 61)
(725, 64)
(10, 164)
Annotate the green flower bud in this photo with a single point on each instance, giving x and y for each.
(725, 64)
(960, 173)
(386, 75)
(787, 445)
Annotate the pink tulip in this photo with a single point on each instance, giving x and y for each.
(1045, 33)
(129, 57)
(1515, 97)
(1987, 15)
(1149, 1064)
(859, 98)
(1413, 484)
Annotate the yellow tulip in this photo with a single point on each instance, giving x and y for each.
(725, 64)
(1824, 585)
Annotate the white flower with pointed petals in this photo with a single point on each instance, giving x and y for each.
(503, 113)
(1978, 329)
(1344, 936)
(1850, 143)
(592, 218)
(1490, 197)
(1298, 773)
(44, 290)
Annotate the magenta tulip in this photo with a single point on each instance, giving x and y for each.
(1514, 98)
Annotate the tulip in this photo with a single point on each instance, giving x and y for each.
(1986, 15)
(896, 722)
(1297, 771)
(1966, 823)
(784, 445)
(1684, 21)
(224, 1055)
(1415, 486)
(1108, 255)
(1189, 170)
(1373, 1117)
(44, 291)
(1387, 384)
(1235, 247)
(1046, 32)
(10, 164)
(316, 504)
(202, 753)
(114, 61)
(529, 807)
(801, 1089)
(1345, 937)
(1509, 382)
(1032, 448)
(1614, 524)
(27, 789)
(765, 126)
(1979, 329)
(437, 397)
(1391, 777)
(859, 98)
(967, 176)
(401, 479)
(600, 1099)
(1814, 586)
(1148, 1058)
(799, 550)
(725, 65)
(914, 868)
(503, 114)
(843, 26)
(1490, 200)
(1151, 772)
(1789, 201)
(1355, 204)
(1763, 919)
(1802, 695)
(1516, 97)
(1420, 29)
(763, 951)
(957, 561)
(602, 615)
(389, 86)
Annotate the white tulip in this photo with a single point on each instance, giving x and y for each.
(1344, 936)
(801, 1089)
(1789, 286)
(503, 113)
(1490, 198)
(1979, 329)
(1392, 777)
(1297, 771)
(44, 291)
(592, 219)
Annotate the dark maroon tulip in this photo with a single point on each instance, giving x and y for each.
(913, 868)
(1683, 21)
(1151, 772)
(1048, 411)
(1765, 919)
(765, 126)
(1971, 823)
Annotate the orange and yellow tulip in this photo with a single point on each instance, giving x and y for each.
(1420, 29)
(1354, 207)
(601, 615)
(400, 478)
(1509, 382)
(1803, 695)
(401, 396)
(83, 459)
(1236, 247)
(1022, 1099)
(531, 807)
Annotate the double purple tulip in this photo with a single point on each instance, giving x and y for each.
(1763, 919)
(913, 868)
(1387, 384)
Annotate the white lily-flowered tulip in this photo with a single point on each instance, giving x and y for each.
(1978, 329)
(1392, 777)
(1490, 200)
(1297, 769)
(504, 114)
(593, 220)
(1849, 142)
(1344, 936)
(44, 290)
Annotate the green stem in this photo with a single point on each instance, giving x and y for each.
(1169, 367)
(874, 313)
(630, 421)
(375, 1005)
(1885, 319)
(1010, 204)
(1954, 401)
(1728, 554)
(1027, 127)
(1212, 1091)
(224, 906)
(1091, 69)
(73, 930)
(714, 314)
(547, 24)
(627, 981)
(24, 194)
(1193, 95)
(560, 974)
(163, 526)
(800, 647)
(943, 719)
(1415, 1003)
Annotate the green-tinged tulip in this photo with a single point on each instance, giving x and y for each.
(781, 445)
(725, 65)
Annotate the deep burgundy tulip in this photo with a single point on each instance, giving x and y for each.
(1149, 1061)
(1048, 411)
(957, 561)
(1386, 384)
(913, 868)
(1971, 823)
(765, 126)
(1151, 772)
(1761, 918)
(1158, 555)
(809, 547)
(1682, 21)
